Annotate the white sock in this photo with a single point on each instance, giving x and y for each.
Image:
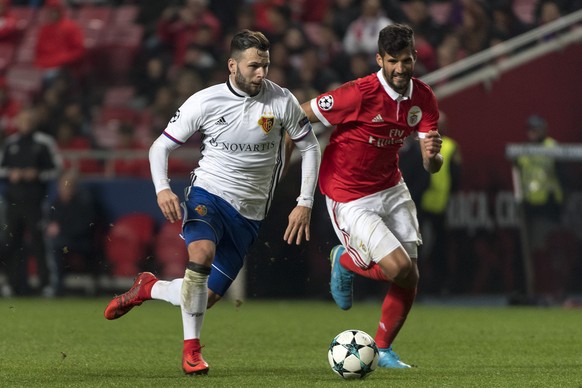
(168, 291)
(194, 301)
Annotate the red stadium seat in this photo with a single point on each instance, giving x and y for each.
(125, 14)
(97, 16)
(25, 52)
(128, 243)
(92, 34)
(129, 35)
(25, 16)
(106, 124)
(109, 113)
(120, 45)
(24, 82)
(170, 250)
(118, 96)
(7, 53)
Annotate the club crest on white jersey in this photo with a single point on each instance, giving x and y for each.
(266, 123)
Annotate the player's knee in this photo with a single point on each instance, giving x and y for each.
(410, 279)
(202, 252)
(397, 265)
(403, 264)
(404, 268)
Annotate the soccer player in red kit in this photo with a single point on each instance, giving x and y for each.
(368, 202)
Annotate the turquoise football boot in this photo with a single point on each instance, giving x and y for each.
(341, 284)
(389, 359)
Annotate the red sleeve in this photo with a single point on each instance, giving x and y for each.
(340, 105)
(8, 26)
(59, 45)
(430, 113)
(42, 56)
(75, 44)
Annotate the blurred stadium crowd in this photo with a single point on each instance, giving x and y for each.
(108, 75)
(140, 60)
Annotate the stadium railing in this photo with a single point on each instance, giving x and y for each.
(489, 64)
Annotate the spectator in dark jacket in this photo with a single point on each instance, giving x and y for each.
(71, 227)
(29, 161)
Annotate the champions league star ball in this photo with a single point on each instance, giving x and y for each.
(353, 354)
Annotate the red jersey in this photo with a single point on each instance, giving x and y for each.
(59, 44)
(372, 121)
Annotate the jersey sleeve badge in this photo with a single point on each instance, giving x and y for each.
(325, 102)
(175, 117)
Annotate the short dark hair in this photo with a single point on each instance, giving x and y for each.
(247, 39)
(395, 38)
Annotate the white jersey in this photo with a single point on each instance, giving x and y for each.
(242, 151)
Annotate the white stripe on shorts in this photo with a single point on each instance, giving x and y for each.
(373, 226)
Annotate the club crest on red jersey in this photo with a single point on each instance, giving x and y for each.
(267, 123)
(201, 209)
(414, 116)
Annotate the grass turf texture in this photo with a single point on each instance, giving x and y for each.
(68, 343)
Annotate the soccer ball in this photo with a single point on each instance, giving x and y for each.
(353, 354)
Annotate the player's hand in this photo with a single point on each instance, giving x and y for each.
(432, 143)
(53, 229)
(299, 220)
(15, 175)
(30, 174)
(170, 205)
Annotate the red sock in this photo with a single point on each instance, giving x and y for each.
(374, 272)
(397, 304)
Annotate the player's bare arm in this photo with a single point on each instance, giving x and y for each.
(430, 147)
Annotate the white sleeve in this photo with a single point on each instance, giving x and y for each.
(158, 156)
(310, 159)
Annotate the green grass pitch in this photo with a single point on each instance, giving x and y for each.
(68, 343)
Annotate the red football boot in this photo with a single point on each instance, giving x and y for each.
(137, 294)
(192, 361)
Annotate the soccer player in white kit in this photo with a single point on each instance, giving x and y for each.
(243, 123)
(369, 204)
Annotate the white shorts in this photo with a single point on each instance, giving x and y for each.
(373, 226)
